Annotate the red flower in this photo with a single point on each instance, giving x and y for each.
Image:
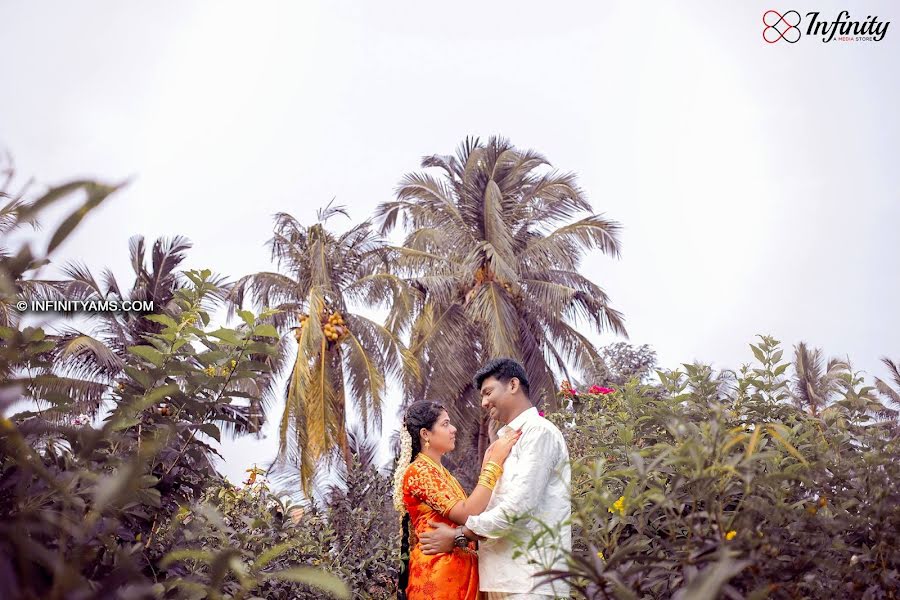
(567, 389)
(601, 390)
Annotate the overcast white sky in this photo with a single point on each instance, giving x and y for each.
(757, 184)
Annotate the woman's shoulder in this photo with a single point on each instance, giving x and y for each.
(419, 468)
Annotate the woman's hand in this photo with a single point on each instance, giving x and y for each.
(499, 450)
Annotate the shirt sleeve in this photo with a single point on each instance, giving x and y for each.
(540, 453)
(427, 485)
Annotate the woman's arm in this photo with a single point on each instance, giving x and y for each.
(481, 495)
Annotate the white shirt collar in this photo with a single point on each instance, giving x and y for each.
(523, 418)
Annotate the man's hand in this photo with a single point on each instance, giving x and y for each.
(438, 541)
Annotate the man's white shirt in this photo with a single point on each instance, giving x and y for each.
(532, 496)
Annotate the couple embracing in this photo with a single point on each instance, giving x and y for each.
(472, 547)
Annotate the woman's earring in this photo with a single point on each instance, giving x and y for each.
(427, 444)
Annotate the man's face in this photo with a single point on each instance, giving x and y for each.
(497, 398)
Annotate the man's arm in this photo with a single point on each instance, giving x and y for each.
(540, 453)
(443, 538)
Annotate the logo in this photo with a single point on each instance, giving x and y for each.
(781, 27)
(787, 27)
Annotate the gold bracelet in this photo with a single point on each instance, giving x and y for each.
(493, 469)
(488, 479)
(488, 484)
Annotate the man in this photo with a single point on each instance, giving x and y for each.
(532, 496)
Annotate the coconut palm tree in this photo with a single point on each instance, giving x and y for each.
(814, 386)
(18, 266)
(333, 355)
(493, 244)
(101, 354)
(889, 393)
(87, 361)
(98, 354)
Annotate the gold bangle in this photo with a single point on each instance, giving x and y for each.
(495, 465)
(489, 476)
(487, 484)
(492, 470)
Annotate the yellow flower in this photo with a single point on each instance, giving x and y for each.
(226, 371)
(210, 370)
(600, 555)
(233, 363)
(618, 506)
(730, 535)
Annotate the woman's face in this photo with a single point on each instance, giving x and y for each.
(442, 434)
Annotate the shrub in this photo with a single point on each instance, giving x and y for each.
(714, 483)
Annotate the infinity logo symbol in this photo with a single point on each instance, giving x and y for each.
(781, 27)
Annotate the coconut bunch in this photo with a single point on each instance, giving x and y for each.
(333, 326)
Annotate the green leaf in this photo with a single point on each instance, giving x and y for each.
(227, 335)
(247, 316)
(266, 330)
(97, 193)
(759, 354)
(213, 356)
(710, 580)
(320, 579)
(163, 319)
(262, 348)
(272, 553)
(773, 430)
(211, 430)
(148, 353)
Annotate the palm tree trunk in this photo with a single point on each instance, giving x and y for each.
(484, 439)
(345, 450)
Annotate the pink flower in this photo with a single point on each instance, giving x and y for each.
(80, 420)
(541, 413)
(600, 390)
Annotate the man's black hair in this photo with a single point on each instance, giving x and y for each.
(503, 369)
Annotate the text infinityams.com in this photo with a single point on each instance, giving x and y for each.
(85, 306)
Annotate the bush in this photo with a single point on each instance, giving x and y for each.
(352, 536)
(82, 505)
(713, 483)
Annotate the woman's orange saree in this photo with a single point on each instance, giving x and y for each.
(429, 492)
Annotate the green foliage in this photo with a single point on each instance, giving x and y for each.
(346, 544)
(82, 505)
(714, 483)
(266, 541)
(764, 482)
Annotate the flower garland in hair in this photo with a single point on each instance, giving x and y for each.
(402, 464)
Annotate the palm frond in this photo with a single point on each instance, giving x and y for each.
(564, 247)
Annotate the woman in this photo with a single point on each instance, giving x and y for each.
(425, 491)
